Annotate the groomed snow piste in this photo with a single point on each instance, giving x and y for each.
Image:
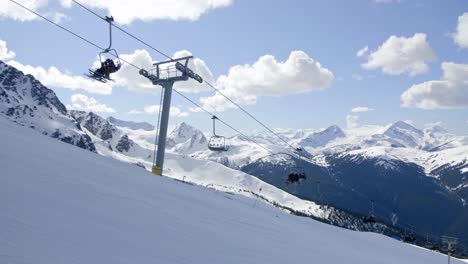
(62, 204)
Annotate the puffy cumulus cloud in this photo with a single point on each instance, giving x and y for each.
(129, 77)
(361, 109)
(398, 55)
(362, 51)
(461, 35)
(154, 109)
(5, 54)
(449, 92)
(125, 12)
(135, 112)
(268, 77)
(88, 104)
(175, 111)
(198, 66)
(352, 121)
(15, 12)
(53, 77)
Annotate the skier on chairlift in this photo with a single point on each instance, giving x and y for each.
(107, 67)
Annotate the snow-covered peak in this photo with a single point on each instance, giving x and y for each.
(404, 134)
(130, 124)
(183, 132)
(322, 138)
(403, 127)
(186, 139)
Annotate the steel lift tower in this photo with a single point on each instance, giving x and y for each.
(166, 73)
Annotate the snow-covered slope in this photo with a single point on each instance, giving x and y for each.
(73, 206)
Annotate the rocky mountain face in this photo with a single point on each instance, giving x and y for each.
(111, 140)
(95, 124)
(24, 100)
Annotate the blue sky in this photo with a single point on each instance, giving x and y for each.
(330, 32)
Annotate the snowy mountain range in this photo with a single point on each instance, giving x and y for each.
(69, 205)
(399, 166)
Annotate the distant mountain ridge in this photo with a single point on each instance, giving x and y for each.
(352, 166)
(130, 124)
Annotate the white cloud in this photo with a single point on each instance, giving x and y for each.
(57, 17)
(352, 121)
(129, 77)
(362, 51)
(135, 112)
(449, 92)
(88, 104)
(199, 67)
(13, 11)
(126, 12)
(461, 35)
(398, 55)
(361, 109)
(268, 77)
(5, 54)
(154, 109)
(357, 77)
(53, 77)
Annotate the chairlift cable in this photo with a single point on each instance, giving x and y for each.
(402, 223)
(138, 68)
(208, 83)
(124, 31)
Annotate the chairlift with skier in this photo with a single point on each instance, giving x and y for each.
(108, 65)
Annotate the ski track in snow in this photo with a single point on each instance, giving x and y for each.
(62, 204)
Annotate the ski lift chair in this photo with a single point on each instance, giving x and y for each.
(102, 73)
(296, 175)
(216, 142)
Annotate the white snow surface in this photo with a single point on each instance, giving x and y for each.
(62, 204)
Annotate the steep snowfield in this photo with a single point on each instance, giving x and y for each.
(68, 205)
(216, 176)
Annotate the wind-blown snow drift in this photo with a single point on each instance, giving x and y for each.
(62, 204)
